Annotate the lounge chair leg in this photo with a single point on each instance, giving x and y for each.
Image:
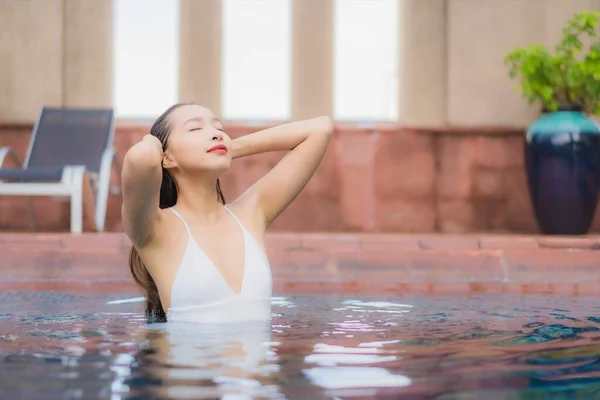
(103, 187)
(76, 213)
(88, 204)
(76, 176)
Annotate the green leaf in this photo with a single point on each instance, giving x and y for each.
(570, 75)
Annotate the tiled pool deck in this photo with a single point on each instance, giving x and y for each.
(324, 263)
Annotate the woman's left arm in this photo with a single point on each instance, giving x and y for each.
(306, 142)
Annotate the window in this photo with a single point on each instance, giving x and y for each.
(256, 59)
(366, 64)
(146, 61)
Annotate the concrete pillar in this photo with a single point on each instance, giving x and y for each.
(422, 63)
(31, 57)
(89, 53)
(481, 33)
(200, 53)
(312, 58)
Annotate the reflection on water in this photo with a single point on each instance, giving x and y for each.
(56, 345)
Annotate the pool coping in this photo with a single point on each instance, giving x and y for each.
(321, 263)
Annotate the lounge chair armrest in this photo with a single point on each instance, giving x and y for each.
(8, 152)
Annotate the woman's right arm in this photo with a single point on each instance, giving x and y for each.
(141, 180)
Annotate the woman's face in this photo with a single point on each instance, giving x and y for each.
(197, 142)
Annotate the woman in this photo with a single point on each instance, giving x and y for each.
(197, 258)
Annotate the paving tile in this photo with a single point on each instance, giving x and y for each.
(553, 289)
(386, 242)
(331, 242)
(423, 266)
(34, 240)
(444, 288)
(443, 242)
(301, 262)
(587, 243)
(545, 266)
(283, 287)
(508, 242)
(306, 287)
(283, 240)
(585, 289)
(72, 286)
(26, 263)
(350, 263)
(112, 241)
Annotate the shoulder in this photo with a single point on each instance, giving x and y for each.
(168, 237)
(166, 221)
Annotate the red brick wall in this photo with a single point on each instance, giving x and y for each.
(385, 179)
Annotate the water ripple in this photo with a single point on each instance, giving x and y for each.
(60, 345)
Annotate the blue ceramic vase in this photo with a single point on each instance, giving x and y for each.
(562, 156)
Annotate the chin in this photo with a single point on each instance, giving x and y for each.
(221, 167)
(215, 166)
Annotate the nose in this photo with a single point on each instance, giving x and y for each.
(218, 136)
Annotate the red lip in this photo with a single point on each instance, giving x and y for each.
(218, 147)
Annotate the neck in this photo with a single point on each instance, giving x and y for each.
(199, 197)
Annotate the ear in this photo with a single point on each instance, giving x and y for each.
(168, 161)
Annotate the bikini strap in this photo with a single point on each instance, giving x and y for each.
(187, 228)
(236, 218)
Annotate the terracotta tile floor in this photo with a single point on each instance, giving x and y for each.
(315, 263)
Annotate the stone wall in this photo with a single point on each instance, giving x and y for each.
(54, 53)
(380, 179)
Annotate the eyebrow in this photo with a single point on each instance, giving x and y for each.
(199, 119)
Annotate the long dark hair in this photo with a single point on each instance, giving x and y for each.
(168, 198)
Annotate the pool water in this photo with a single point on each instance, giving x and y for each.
(74, 346)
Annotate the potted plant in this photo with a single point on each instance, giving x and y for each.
(562, 148)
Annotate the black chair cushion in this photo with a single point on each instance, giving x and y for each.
(33, 174)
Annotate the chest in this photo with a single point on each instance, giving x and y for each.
(224, 250)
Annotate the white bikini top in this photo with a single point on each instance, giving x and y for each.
(201, 294)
